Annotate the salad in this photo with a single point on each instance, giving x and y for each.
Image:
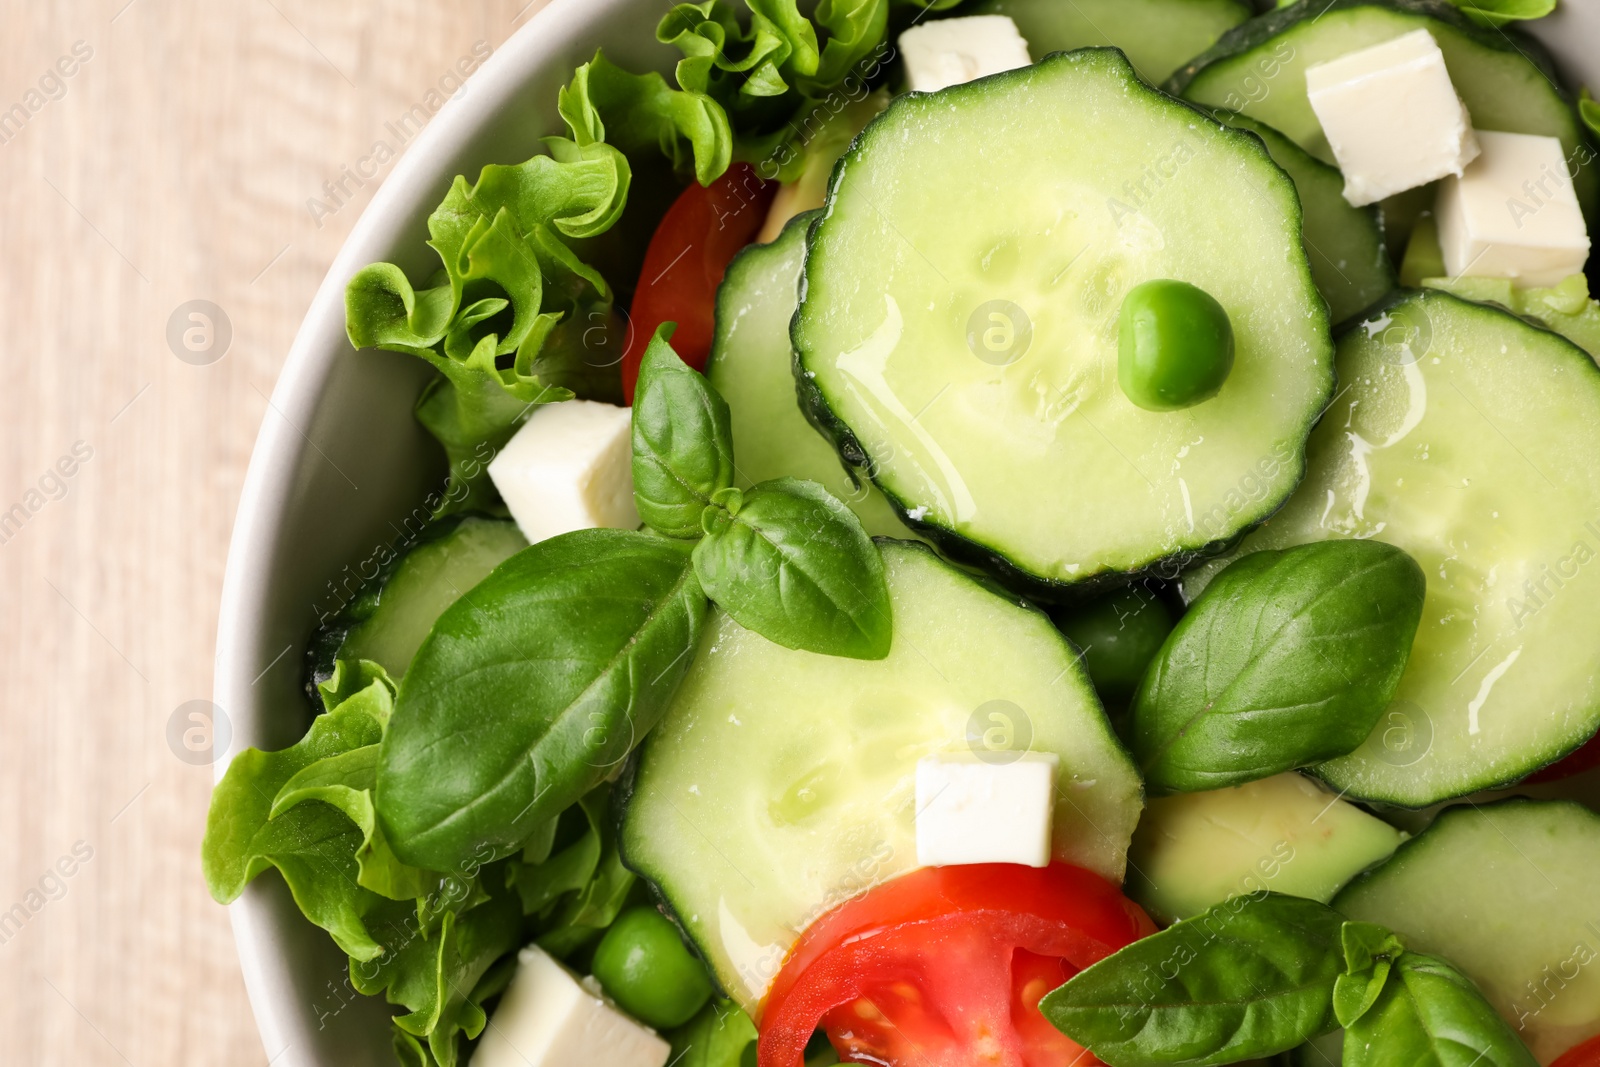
(1019, 532)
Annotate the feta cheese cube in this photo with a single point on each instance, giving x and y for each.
(944, 52)
(972, 810)
(547, 1019)
(1513, 214)
(570, 467)
(1392, 117)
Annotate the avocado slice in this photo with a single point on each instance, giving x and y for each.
(1285, 834)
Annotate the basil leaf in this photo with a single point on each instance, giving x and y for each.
(794, 565)
(1431, 1015)
(716, 1037)
(1287, 659)
(682, 441)
(531, 689)
(1249, 978)
(1369, 954)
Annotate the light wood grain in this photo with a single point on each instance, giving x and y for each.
(177, 164)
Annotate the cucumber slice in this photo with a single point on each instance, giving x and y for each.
(1506, 892)
(1349, 259)
(388, 621)
(1505, 77)
(1158, 36)
(1467, 437)
(1566, 308)
(752, 366)
(962, 345)
(781, 783)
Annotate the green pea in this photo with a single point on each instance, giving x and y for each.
(642, 964)
(1174, 345)
(1119, 636)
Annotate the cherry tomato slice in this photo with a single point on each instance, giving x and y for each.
(945, 967)
(1586, 758)
(1584, 1055)
(685, 261)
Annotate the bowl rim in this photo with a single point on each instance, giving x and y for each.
(409, 192)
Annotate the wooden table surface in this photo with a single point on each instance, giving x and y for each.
(182, 158)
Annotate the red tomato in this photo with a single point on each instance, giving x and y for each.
(1586, 758)
(945, 967)
(685, 262)
(1584, 1055)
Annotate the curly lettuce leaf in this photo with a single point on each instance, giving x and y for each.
(781, 74)
(604, 103)
(314, 846)
(518, 319)
(435, 974)
(345, 782)
(575, 892)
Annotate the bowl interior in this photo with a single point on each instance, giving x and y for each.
(340, 463)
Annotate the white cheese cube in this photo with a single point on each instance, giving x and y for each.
(1392, 117)
(1513, 214)
(972, 810)
(943, 52)
(547, 1019)
(570, 467)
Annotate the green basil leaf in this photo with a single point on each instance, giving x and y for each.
(1288, 659)
(682, 441)
(1431, 1015)
(435, 974)
(314, 846)
(1369, 954)
(1249, 978)
(531, 689)
(716, 1037)
(795, 566)
(1496, 13)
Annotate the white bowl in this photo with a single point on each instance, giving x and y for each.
(340, 458)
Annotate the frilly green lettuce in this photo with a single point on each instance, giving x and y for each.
(515, 318)
(510, 320)
(437, 945)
